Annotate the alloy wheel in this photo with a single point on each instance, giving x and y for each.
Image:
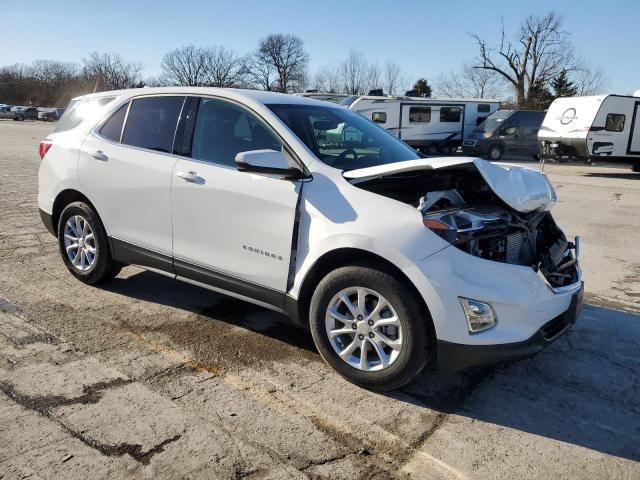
(363, 329)
(79, 243)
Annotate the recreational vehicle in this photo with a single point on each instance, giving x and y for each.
(602, 128)
(430, 125)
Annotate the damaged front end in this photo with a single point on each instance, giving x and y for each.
(495, 232)
(499, 213)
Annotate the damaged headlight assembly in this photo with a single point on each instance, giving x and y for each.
(480, 316)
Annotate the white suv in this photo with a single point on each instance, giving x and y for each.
(304, 207)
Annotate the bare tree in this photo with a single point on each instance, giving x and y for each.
(224, 68)
(109, 71)
(327, 79)
(588, 80)
(374, 77)
(541, 51)
(470, 82)
(186, 66)
(394, 81)
(279, 63)
(259, 70)
(354, 74)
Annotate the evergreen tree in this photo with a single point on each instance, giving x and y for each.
(420, 89)
(539, 97)
(562, 87)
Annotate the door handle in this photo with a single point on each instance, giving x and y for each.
(99, 155)
(191, 177)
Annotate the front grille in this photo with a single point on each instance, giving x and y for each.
(555, 327)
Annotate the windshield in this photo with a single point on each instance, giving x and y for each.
(341, 138)
(493, 121)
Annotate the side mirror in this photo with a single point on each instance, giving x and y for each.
(267, 161)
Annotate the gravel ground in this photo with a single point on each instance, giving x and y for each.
(145, 377)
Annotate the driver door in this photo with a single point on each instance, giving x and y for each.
(231, 229)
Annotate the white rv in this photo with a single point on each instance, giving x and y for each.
(431, 125)
(602, 128)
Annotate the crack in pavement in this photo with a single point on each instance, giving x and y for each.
(93, 393)
(43, 404)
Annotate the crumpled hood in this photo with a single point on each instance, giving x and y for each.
(523, 189)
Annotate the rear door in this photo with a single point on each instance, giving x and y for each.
(231, 229)
(126, 167)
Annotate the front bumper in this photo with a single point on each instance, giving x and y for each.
(454, 357)
(524, 302)
(475, 148)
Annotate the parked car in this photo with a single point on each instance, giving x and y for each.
(47, 114)
(5, 112)
(25, 113)
(390, 260)
(513, 132)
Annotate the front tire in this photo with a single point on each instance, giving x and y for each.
(495, 152)
(369, 328)
(84, 245)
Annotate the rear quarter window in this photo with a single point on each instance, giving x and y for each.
(80, 110)
(112, 128)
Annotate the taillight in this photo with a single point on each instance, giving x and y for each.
(45, 145)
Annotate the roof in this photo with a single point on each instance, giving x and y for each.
(259, 96)
(430, 99)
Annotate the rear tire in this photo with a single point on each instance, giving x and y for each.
(495, 152)
(395, 339)
(636, 167)
(84, 245)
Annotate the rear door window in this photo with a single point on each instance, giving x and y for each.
(151, 123)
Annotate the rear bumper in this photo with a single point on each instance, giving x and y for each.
(47, 220)
(454, 357)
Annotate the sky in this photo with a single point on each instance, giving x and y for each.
(425, 38)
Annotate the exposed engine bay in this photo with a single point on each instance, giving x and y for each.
(458, 204)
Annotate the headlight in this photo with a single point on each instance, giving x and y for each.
(480, 315)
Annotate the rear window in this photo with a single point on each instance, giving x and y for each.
(484, 108)
(112, 128)
(80, 110)
(152, 123)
